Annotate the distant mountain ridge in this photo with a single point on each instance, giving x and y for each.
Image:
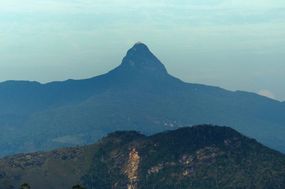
(200, 157)
(137, 95)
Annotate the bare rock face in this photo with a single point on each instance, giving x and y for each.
(132, 168)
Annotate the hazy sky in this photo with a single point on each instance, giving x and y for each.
(235, 44)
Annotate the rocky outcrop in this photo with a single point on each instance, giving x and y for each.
(132, 168)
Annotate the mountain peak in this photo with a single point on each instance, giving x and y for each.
(139, 48)
(139, 58)
(140, 44)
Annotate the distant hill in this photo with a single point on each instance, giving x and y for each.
(137, 95)
(199, 157)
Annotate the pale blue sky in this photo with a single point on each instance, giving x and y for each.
(235, 44)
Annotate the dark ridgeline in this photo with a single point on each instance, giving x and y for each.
(137, 95)
(199, 157)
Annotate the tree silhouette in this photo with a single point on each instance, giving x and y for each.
(25, 186)
(78, 187)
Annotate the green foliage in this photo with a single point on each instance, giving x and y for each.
(201, 157)
(100, 177)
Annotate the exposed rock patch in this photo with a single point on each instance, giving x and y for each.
(132, 169)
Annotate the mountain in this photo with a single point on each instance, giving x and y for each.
(137, 95)
(199, 157)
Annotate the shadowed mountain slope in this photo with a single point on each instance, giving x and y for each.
(137, 95)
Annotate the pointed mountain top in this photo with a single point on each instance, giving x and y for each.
(141, 67)
(140, 46)
(140, 58)
(139, 43)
